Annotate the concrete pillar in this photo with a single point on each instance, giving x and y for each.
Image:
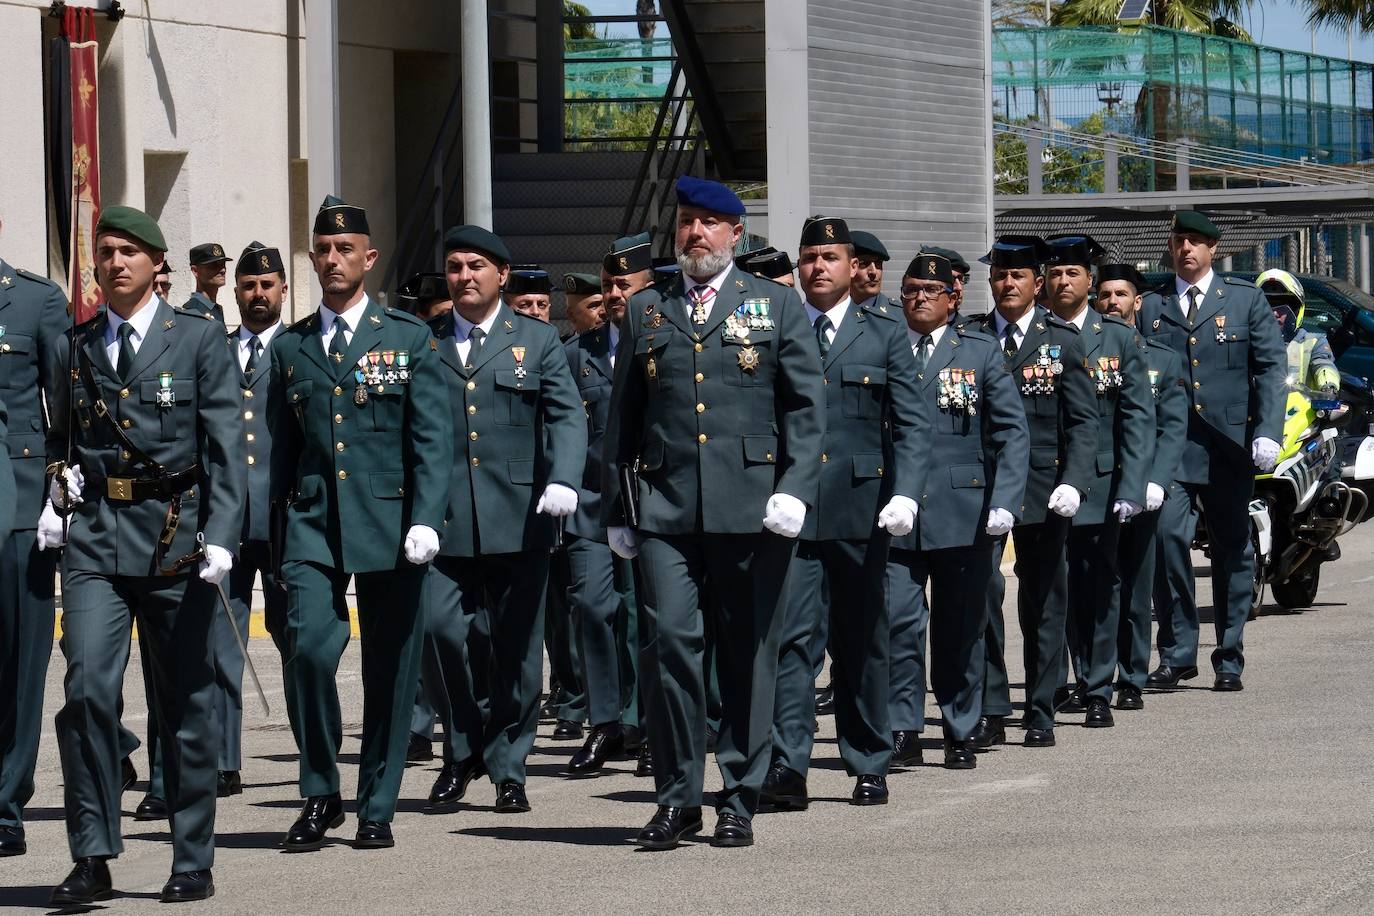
(1227, 264)
(1035, 161)
(1364, 257)
(322, 98)
(476, 114)
(789, 144)
(122, 83)
(1182, 171)
(1110, 156)
(1320, 263)
(1351, 269)
(1259, 259)
(1290, 253)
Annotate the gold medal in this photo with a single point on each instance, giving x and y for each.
(748, 359)
(651, 368)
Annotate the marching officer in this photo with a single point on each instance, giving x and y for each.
(362, 451)
(33, 314)
(1110, 350)
(717, 402)
(519, 448)
(155, 492)
(1042, 356)
(601, 593)
(978, 432)
(871, 255)
(871, 472)
(1233, 359)
(958, 264)
(208, 268)
(528, 291)
(259, 289)
(1118, 294)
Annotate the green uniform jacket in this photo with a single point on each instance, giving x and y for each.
(877, 430)
(717, 425)
(201, 305)
(202, 427)
(33, 314)
(1061, 418)
(358, 476)
(517, 427)
(589, 359)
(1125, 420)
(1167, 387)
(6, 478)
(257, 444)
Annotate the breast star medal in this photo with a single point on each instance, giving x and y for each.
(1221, 329)
(748, 359)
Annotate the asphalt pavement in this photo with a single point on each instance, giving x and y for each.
(1254, 802)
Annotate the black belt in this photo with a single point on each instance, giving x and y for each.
(133, 489)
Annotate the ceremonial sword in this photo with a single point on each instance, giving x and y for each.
(238, 637)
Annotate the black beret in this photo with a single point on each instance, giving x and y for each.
(131, 222)
(475, 238)
(1193, 221)
(1127, 272)
(528, 278)
(931, 267)
(338, 218)
(258, 259)
(1017, 251)
(866, 243)
(1074, 248)
(825, 230)
(581, 284)
(209, 253)
(628, 255)
(771, 264)
(955, 259)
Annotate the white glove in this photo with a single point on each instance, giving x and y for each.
(422, 544)
(624, 542)
(558, 501)
(1154, 497)
(1265, 453)
(76, 482)
(1000, 521)
(898, 516)
(784, 515)
(1125, 508)
(216, 564)
(1064, 501)
(50, 529)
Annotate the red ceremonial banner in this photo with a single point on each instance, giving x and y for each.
(79, 27)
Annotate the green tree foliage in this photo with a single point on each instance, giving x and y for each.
(1065, 169)
(1214, 17)
(1342, 14)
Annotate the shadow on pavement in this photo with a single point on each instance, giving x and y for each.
(574, 836)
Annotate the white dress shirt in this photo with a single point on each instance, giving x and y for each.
(915, 337)
(615, 340)
(140, 321)
(264, 338)
(716, 282)
(835, 313)
(462, 332)
(1081, 318)
(1022, 326)
(1181, 286)
(353, 317)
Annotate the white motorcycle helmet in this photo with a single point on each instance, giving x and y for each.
(1285, 296)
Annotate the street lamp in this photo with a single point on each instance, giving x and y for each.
(1110, 93)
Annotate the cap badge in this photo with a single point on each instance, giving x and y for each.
(338, 221)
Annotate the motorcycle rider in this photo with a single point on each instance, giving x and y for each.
(1310, 360)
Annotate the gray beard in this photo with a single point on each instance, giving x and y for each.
(708, 265)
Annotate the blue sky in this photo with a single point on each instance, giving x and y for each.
(1283, 24)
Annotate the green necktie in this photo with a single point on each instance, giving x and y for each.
(923, 352)
(254, 350)
(1194, 294)
(126, 350)
(338, 344)
(823, 327)
(1009, 342)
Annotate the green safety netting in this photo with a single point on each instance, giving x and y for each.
(617, 68)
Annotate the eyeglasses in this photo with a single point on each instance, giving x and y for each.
(930, 291)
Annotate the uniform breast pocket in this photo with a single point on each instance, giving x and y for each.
(298, 397)
(1238, 348)
(516, 398)
(747, 363)
(594, 400)
(14, 360)
(173, 402)
(864, 389)
(651, 364)
(388, 406)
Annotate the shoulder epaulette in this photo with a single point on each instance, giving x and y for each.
(974, 333)
(297, 325)
(182, 310)
(1237, 281)
(36, 278)
(881, 311)
(393, 312)
(1116, 319)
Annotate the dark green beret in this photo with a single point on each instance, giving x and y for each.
(628, 255)
(338, 218)
(1193, 221)
(955, 259)
(528, 278)
(133, 223)
(581, 284)
(931, 267)
(825, 230)
(866, 243)
(258, 259)
(475, 238)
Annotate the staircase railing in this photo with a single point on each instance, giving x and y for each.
(674, 148)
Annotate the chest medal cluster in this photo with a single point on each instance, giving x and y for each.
(1154, 383)
(1106, 374)
(958, 391)
(1038, 378)
(752, 315)
(380, 367)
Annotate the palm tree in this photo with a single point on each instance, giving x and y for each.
(1342, 14)
(1214, 17)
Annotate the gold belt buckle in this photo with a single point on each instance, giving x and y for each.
(120, 488)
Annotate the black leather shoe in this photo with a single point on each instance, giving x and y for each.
(227, 783)
(645, 765)
(825, 701)
(510, 798)
(567, 730)
(1227, 683)
(12, 841)
(959, 755)
(784, 789)
(605, 742)
(188, 885)
(373, 835)
(1168, 676)
(732, 830)
(1039, 737)
(88, 882)
(1070, 699)
(151, 808)
(320, 813)
(453, 781)
(419, 749)
(990, 730)
(634, 738)
(1128, 697)
(906, 749)
(668, 826)
(712, 739)
(127, 775)
(549, 708)
(1099, 714)
(870, 790)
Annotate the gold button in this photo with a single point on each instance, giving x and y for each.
(126, 423)
(975, 481)
(865, 380)
(124, 392)
(768, 456)
(338, 418)
(472, 408)
(1192, 340)
(343, 475)
(702, 438)
(1195, 363)
(472, 386)
(26, 453)
(880, 472)
(827, 381)
(697, 347)
(476, 462)
(1197, 385)
(248, 394)
(701, 408)
(124, 453)
(4, 348)
(338, 446)
(473, 435)
(337, 391)
(251, 459)
(824, 457)
(248, 414)
(1198, 408)
(252, 438)
(295, 396)
(700, 377)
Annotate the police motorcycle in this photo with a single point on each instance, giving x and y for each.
(1301, 508)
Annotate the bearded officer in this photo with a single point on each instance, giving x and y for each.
(938, 576)
(1116, 492)
(208, 267)
(520, 444)
(158, 469)
(33, 314)
(1234, 362)
(876, 435)
(1118, 294)
(362, 451)
(724, 422)
(1042, 356)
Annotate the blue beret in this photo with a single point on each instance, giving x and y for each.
(475, 238)
(708, 195)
